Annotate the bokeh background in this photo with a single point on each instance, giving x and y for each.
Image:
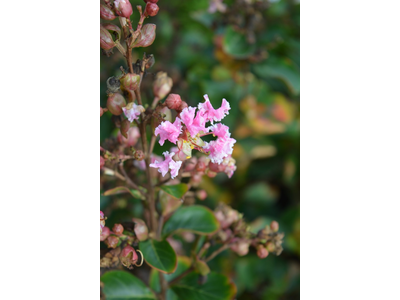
(250, 55)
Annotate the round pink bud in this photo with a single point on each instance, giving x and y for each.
(118, 229)
(106, 41)
(130, 82)
(104, 233)
(151, 1)
(183, 106)
(112, 241)
(173, 101)
(128, 256)
(241, 248)
(274, 226)
(211, 174)
(201, 166)
(151, 9)
(141, 230)
(106, 13)
(123, 8)
(115, 103)
(262, 252)
(201, 194)
(217, 168)
(102, 162)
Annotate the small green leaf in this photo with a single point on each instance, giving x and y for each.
(217, 287)
(202, 267)
(177, 190)
(121, 285)
(235, 44)
(159, 255)
(123, 190)
(195, 218)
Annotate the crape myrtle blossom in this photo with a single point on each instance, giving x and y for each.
(167, 164)
(132, 111)
(189, 127)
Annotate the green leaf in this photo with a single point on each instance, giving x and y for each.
(195, 218)
(236, 45)
(123, 190)
(159, 255)
(177, 190)
(121, 285)
(217, 287)
(202, 267)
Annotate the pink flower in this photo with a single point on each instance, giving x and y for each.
(169, 131)
(141, 164)
(193, 124)
(132, 111)
(212, 114)
(220, 130)
(167, 164)
(219, 149)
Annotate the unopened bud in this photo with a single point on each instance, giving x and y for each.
(118, 229)
(217, 168)
(104, 233)
(130, 82)
(106, 13)
(106, 41)
(201, 194)
(201, 166)
(162, 85)
(146, 36)
(115, 103)
(112, 241)
(151, 1)
(123, 7)
(241, 248)
(151, 9)
(173, 101)
(262, 252)
(274, 226)
(139, 155)
(211, 174)
(102, 162)
(125, 125)
(270, 246)
(128, 256)
(141, 231)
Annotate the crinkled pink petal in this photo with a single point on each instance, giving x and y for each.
(220, 130)
(212, 114)
(169, 131)
(174, 166)
(167, 164)
(133, 113)
(219, 149)
(187, 115)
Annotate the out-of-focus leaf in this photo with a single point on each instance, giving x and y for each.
(217, 287)
(121, 285)
(202, 267)
(123, 190)
(168, 203)
(177, 190)
(196, 218)
(159, 255)
(236, 45)
(203, 17)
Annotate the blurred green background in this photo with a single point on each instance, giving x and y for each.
(250, 55)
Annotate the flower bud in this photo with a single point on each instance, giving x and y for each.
(139, 155)
(241, 247)
(201, 194)
(217, 168)
(141, 231)
(105, 233)
(128, 256)
(123, 7)
(274, 226)
(130, 82)
(262, 252)
(151, 1)
(173, 101)
(162, 85)
(146, 36)
(125, 125)
(112, 241)
(106, 41)
(106, 13)
(151, 9)
(183, 105)
(118, 229)
(115, 103)
(102, 162)
(201, 166)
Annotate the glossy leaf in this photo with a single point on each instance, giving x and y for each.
(196, 218)
(121, 285)
(217, 287)
(177, 190)
(235, 44)
(159, 255)
(123, 190)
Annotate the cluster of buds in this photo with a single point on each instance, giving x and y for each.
(186, 133)
(235, 233)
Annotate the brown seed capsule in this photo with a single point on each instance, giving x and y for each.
(106, 41)
(130, 82)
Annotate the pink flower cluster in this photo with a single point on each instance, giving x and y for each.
(186, 132)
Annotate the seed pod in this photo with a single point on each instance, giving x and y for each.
(106, 41)
(106, 13)
(162, 85)
(123, 8)
(115, 103)
(146, 36)
(130, 82)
